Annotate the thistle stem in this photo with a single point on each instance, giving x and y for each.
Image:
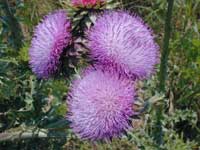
(166, 51)
(20, 134)
(163, 73)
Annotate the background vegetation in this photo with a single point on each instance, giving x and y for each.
(32, 111)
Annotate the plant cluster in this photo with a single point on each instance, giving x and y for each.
(84, 85)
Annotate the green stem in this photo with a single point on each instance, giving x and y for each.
(166, 51)
(16, 134)
(163, 74)
(8, 61)
(20, 133)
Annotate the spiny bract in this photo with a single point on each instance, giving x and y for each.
(100, 104)
(51, 36)
(121, 40)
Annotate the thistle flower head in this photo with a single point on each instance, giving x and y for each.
(124, 41)
(86, 3)
(51, 36)
(100, 104)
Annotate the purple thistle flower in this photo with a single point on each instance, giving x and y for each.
(86, 3)
(51, 36)
(124, 41)
(100, 104)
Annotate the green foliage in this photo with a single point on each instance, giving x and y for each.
(23, 54)
(10, 24)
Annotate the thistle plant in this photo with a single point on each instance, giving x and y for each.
(91, 79)
(49, 40)
(100, 104)
(121, 49)
(87, 3)
(124, 41)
